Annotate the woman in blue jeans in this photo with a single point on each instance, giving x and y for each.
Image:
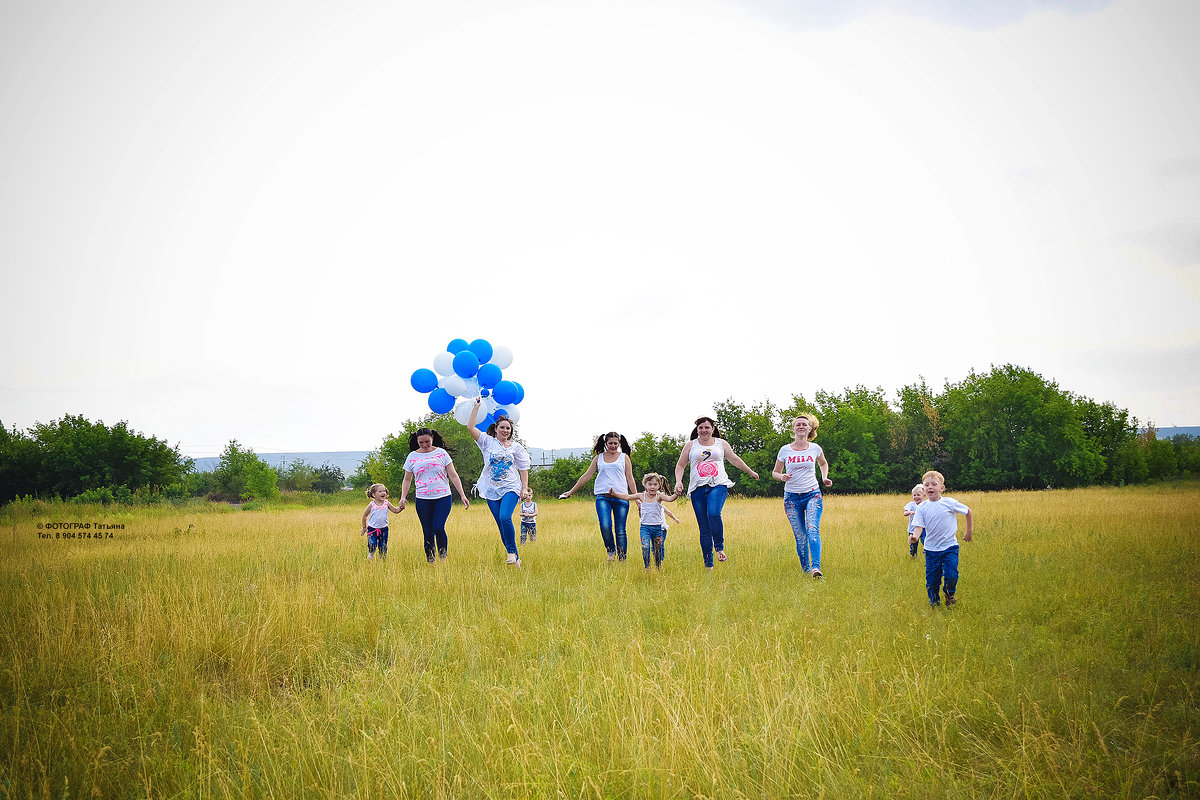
(705, 454)
(613, 470)
(431, 466)
(505, 478)
(796, 465)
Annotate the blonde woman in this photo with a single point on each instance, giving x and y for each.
(796, 465)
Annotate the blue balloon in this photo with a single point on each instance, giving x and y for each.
(441, 401)
(487, 422)
(505, 392)
(489, 375)
(466, 364)
(456, 346)
(482, 349)
(520, 393)
(424, 380)
(484, 392)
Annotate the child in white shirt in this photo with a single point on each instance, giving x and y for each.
(936, 519)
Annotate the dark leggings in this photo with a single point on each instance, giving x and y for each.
(433, 515)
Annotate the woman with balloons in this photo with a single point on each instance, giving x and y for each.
(613, 470)
(705, 454)
(505, 479)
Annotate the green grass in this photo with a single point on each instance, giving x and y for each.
(259, 654)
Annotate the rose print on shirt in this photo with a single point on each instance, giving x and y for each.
(706, 468)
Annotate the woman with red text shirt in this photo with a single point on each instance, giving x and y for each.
(797, 465)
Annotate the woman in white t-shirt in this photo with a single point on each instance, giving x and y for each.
(708, 484)
(430, 464)
(613, 470)
(505, 479)
(796, 465)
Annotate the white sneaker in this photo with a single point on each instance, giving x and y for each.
(816, 573)
(512, 559)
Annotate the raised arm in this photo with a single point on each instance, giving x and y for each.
(471, 429)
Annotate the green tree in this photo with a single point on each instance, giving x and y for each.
(297, 476)
(1115, 437)
(20, 463)
(328, 479)
(652, 454)
(242, 475)
(754, 432)
(1012, 429)
(77, 455)
(1162, 462)
(855, 432)
(1187, 454)
(555, 479)
(916, 435)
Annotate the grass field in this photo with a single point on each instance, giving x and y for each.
(205, 653)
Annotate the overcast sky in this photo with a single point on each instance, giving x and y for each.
(254, 220)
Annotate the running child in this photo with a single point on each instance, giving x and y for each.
(651, 500)
(910, 509)
(529, 520)
(937, 519)
(375, 520)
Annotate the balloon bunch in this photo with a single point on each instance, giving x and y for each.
(465, 371)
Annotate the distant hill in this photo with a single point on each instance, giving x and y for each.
(1171, 433)
(348, 460)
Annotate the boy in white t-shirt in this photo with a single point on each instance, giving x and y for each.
(529, 520)
(937, 520)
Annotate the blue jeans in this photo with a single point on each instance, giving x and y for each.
(433, 515)
(804, 513)
(649, 533)
(377, 540)
(912, 548)
(943, 563)
(611, 512)
(502, 511)
(528, 529)
(707, 502)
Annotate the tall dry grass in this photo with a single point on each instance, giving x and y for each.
(259, 654)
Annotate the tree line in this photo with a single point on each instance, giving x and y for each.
(89, 462)
(1008, 428)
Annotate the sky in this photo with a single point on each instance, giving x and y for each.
(254, 219)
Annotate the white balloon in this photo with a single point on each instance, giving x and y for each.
(454, 385)
(472, 387)
(502, 357)
(512, 412)
(490, 404)
(443, 364)
(462, 411)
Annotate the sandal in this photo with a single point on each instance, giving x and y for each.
(721, 555)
